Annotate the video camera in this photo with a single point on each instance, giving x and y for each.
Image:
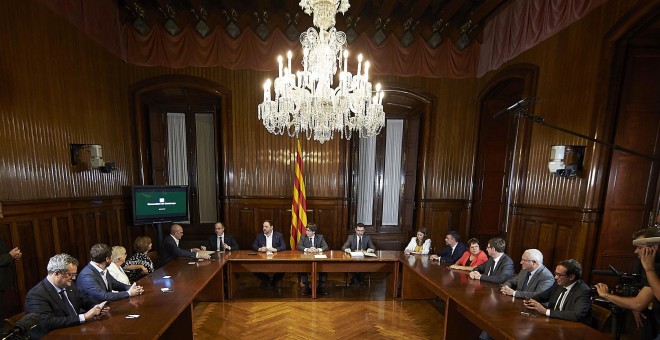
(627, 285)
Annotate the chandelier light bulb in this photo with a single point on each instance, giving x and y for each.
(308, 101)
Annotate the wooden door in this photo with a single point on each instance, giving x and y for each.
(632, 188)
(493, 164)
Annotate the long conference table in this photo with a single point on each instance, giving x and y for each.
(470, 306)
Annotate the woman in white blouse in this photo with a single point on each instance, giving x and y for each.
(420, 244)
(115, 269)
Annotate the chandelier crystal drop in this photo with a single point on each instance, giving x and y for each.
(308, 101)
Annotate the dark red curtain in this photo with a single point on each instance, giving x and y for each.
(517, 28)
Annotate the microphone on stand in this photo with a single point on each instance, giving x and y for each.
(23, 326)
(518, 106)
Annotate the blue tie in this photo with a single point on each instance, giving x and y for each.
(524, 285)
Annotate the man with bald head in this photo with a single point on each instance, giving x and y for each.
(170, 249)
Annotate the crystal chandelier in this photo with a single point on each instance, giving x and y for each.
(307, 101)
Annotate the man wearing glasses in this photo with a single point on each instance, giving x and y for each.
(499, 266)
(568, 299)
(57, 301)
(534, 277)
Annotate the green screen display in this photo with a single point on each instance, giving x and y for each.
(153, 204)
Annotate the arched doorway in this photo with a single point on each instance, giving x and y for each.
(180, 138)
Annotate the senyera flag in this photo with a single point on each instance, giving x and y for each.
(298, 203)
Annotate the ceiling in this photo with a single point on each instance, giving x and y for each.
(434, 21)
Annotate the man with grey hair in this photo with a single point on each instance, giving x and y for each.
(97, 283)
(534, 277)
(57, 301)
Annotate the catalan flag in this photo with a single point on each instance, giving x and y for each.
(298, 203)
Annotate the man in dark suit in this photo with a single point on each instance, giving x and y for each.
(269, 242)
(358, 242)
(221, 241)
(499, 266)
(313, 243)
(453, 249)
(568, 299)
(95, 281)
(170, 249)
(57, 302)
(7, 259)
(534, 277)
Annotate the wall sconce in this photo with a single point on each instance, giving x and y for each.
(566, 160)
(95, 157)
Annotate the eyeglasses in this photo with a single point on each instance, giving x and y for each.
(560, 275)
(523, 260)
(71, 275)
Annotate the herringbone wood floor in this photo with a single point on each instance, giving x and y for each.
(347, 312)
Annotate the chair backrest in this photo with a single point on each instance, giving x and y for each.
(153, 256)
(10, 322)
(600, 316)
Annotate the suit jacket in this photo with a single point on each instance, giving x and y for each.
(278, 241)
(91, 283)
(170, 251)
(44, 300)
(426, 246)
(212, 242)
(319, 242)
(351, 243)
(539, 282)
(6, 267)
(446, 255)
(577, 305)
(500, 273)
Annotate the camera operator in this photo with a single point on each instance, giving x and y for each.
(639, 305)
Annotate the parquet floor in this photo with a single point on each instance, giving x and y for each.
(347, 312)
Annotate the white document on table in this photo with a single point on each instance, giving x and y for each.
(320, 256)
(357, 254)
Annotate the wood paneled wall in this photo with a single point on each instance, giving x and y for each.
(559, 233)
(59, 87)
(43, 228)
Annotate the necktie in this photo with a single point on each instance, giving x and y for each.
(559, 299)
(69, 307)
(105, 279)
(311, 242)
(359, 243)
(524, 285)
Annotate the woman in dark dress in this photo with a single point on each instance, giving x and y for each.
(139, 260)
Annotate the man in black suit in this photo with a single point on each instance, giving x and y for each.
(499, 266)
(358, 242)
(95, 281)
(7, 259)
(221, 241)
(453, 249)
(568, 299)
(57, 302)
(313, 243)
(269, 242)
(170, 249)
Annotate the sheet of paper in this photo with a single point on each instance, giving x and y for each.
(370, 255)
(206, 252)
(357, 254)
(320, 256)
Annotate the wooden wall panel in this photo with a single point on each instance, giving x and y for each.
(59, 88)
(559, 233)
(441, 216)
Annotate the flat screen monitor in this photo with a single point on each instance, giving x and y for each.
(158, 204)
